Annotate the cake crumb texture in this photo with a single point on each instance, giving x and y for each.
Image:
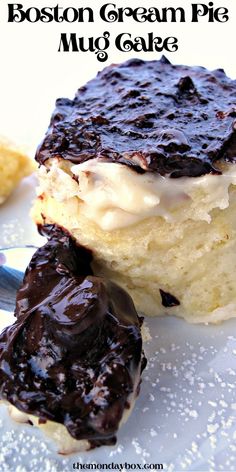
(193, 260)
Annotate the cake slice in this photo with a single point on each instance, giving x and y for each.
(140, 169)
(14, 165)
(71, 363)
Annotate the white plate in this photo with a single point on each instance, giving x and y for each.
(185, 416)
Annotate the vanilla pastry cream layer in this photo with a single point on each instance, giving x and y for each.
(150, 233)
(114, 196)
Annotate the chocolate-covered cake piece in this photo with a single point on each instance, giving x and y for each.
(140, 168)
(74, 355)
(153, 116)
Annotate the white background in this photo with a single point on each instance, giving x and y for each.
(33, 74)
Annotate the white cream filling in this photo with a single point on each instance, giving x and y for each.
(114, 196)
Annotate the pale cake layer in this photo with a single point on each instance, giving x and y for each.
(191, 256)
(14, 165)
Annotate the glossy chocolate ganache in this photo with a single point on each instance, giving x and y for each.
(150, 115)
(74, 354)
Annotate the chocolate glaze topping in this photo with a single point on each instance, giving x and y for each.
(74, 352)
(152, 116)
